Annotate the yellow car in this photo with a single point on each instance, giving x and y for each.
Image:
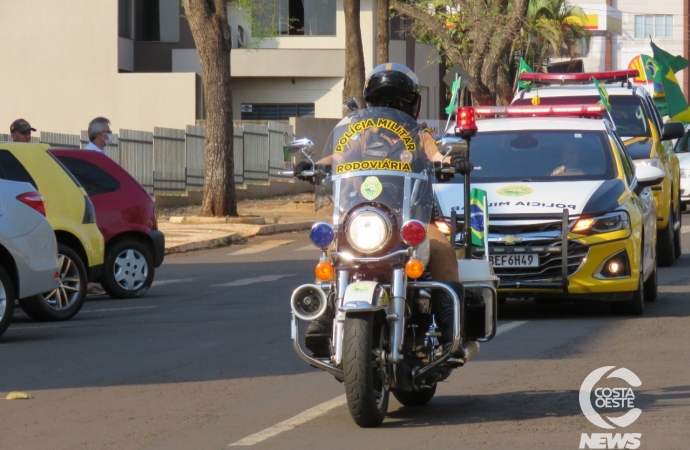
(570, 216)
(646, 137)
(72, 216)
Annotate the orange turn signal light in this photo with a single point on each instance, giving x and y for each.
(414, 268)
(324, 270)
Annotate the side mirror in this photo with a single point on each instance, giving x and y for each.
(452, 146)
(304, 145)
(648, 176)
(672, 130)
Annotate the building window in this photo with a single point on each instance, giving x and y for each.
(157, 20)
(124, 19)
(397, 26)
(294, 18)
(282, 111)
(658, 26)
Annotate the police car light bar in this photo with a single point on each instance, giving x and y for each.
(591, 110)
(577, 78)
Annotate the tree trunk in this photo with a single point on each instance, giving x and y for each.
(208, 22)
(354, 53)
(382, 21)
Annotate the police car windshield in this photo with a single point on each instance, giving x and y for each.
(627, 111)
(541, 155)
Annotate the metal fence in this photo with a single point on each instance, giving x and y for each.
(171, 161)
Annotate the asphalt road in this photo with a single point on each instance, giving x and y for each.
(205, 361)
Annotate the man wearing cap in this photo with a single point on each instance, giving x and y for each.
(21, 131)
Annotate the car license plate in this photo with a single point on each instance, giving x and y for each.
(515, 260)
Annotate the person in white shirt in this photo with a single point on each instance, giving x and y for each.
(100, 135)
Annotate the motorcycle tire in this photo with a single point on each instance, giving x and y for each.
(367, 396)
(415, 398)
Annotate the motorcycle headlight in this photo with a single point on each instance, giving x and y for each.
(654, 162)
(368, 230)
(607, 223)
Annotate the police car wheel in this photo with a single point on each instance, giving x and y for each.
(664, 244)
(634, 306)
(677, 250)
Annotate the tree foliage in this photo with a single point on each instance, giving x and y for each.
(485, 36)
(551, 26)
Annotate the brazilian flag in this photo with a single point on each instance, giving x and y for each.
(455, 96)
(524, 68)
(478, 212)
(603, 94)
(668, 66)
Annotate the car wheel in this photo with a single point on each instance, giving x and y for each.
(650, 287)
(6, 300)
(677, 250)
(634, 306)
(127, 270)
(665, 249)
(64, 302)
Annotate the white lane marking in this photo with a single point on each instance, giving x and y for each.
(262, 247)
(685, 229)
(323, 408)
(291, 423)
(509, 326)
(261, 279)
(178, 280)
(307, 248)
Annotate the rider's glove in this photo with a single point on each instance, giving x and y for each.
(462, 165)
(299, 168)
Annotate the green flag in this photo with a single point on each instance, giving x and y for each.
(455, 91)
(665, 76)
(651, 69)
(524, 68)
(604, 94)
(478, 213)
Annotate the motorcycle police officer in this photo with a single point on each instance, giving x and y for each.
(393, 85)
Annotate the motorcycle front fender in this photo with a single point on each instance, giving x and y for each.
(363, 296)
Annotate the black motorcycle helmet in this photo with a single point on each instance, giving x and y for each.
(393, 85)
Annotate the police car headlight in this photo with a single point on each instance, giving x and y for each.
(607, 223)
(654, 162)
(368, 230)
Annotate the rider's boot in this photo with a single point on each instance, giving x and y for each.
(317, 338)
(443, 307)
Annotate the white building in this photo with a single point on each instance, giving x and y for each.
(134, 61)
(621, 30)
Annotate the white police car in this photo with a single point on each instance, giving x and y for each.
(570, 216)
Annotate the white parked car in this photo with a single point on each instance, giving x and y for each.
(28, 251)
(682, 150)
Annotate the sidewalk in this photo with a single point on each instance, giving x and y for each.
(186, 233)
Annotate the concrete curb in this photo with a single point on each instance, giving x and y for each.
(200, 245)
(252, 220)
(245, 232)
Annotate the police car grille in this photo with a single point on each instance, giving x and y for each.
(550, 260)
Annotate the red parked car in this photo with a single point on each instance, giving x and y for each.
(125, 215)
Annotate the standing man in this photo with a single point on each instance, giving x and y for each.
(99, 135)
(21, 131)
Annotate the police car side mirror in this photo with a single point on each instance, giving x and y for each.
(672, 130)
(452, 146)
(648, 176)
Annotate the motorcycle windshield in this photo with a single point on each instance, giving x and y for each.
(374, 162)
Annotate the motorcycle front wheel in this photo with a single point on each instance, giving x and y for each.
(365, 386)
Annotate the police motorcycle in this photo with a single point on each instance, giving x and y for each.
(374, 202)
